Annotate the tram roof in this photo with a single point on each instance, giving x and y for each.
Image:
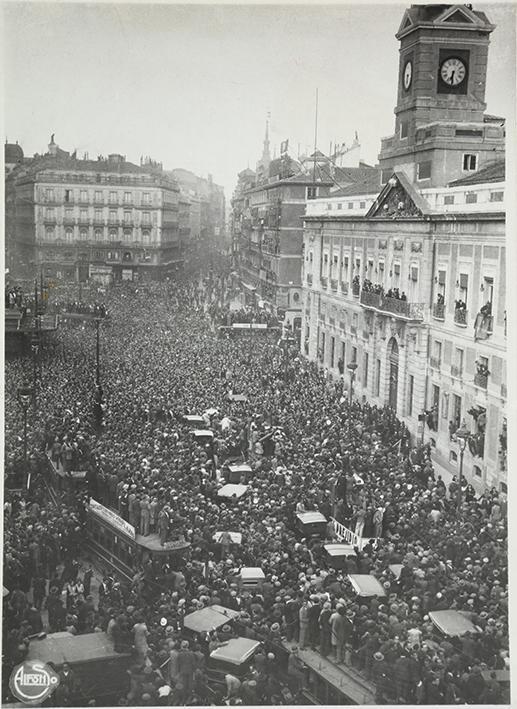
(210, 618)
(65, 647)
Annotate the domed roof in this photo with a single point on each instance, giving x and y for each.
(13, 152)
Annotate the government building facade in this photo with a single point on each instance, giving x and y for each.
(407, 281)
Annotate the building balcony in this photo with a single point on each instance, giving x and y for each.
(481, 380)
(435, 362)
(460, 317)
(393, 306)
(439, 311)
(324, 281)
(456, 371)
(333, 284)
(309, 279)
(371, 299)
(69, 221)
(344, 287)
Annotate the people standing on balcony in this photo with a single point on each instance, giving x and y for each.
(440, 300)
(460, 305)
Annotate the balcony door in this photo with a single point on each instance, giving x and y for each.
(393, 364)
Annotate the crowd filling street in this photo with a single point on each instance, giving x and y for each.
(162, 358)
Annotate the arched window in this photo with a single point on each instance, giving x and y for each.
(69, 236)
(113, 234)
(83, 234)
(98, 234)
(146, 236)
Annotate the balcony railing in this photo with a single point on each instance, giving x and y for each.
(435, 362)
(456, 370)
(344, 287)
(481, 380)
(309, 279)
(460, 317)
(394, 306)
(333, 283)
(324, 281)
(371, 299)
(439, 311)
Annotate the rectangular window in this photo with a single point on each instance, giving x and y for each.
(49, 195)
(98, 215)
(464, 287)
(396, 269)
(329, 206)
(458, 359)
(378, 377)
(471, 198)
(424, 170)
(404, 125)
(448, 199)
(470, 162)
(414, 273)
(68, 196)
(343, 352)
(354, 354)
(362, 205)
(332, 351)
(438, 351)
(127, 217)
(340, 205)
(436, 397)
(496, 196)
(49, 212)
(68, 214)
(147, 198)
(113, 198)
(365, 369)
(146, 217)
(98, 196)
(113, 216)
(127, 197)
(350, 205)
(385, 175)
(411, 387)
(456, 411)
(83, 196)
(312, 192)
(83, 215)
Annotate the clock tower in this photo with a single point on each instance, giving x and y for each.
(441, 129)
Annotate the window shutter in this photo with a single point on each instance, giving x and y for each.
(496, 370)
(441, 278)
(464, 280)
(470, 358)
(447, 351)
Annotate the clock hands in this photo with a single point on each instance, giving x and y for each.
(451, 76)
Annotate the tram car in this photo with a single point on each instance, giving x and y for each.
(116, 543)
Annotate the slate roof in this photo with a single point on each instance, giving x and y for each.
(492, 172)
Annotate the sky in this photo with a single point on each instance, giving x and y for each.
(191, 85)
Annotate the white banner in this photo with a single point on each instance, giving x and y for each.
(112, 517)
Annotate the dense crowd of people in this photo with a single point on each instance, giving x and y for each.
(308, 450)
(370, 287)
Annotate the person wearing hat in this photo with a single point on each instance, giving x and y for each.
(295, 671)
(187, 663)
(381, 679)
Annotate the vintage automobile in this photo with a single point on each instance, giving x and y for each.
(311, 524)
(208, 619)
(234, 657)
(337, 555)
(251, 578)
(231, 493)
(366, 585)
(236, 472)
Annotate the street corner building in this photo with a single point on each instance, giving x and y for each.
(404, 272)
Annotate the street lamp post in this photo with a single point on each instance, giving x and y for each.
(462, 436)
(351, 366)
(24, 397)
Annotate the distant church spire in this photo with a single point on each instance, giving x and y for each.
(266, 155)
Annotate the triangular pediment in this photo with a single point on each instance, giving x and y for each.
(406, 22)
(398, 200)
(459, 15)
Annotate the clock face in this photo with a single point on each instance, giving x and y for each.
(453, 71)
(408, 74)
